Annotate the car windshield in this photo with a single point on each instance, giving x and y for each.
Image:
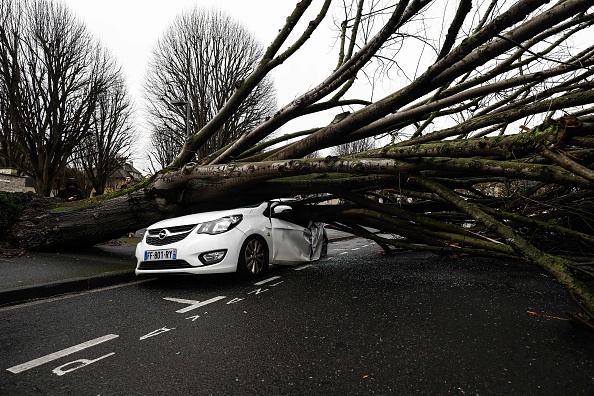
(252, 206)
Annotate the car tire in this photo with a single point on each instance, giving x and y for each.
(253, 258)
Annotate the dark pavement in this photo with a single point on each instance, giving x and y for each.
(356, 323)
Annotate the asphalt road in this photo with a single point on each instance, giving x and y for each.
(357, 323)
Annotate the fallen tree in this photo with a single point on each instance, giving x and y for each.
(459, 175)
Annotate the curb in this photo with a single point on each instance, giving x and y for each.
(27, 293)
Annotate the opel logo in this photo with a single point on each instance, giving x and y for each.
(163, 234)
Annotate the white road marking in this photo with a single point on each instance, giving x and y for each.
(258, 291)
(60, 354)
(193, 303)
(235, 300)
(156, 333)
(344, 253)
(266, 280)
(302, 267)
(77, 364)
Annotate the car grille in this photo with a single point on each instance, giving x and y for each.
(174, 234)
(164, 265)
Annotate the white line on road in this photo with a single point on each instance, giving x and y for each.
(60, 354)
(266, 280)
(302, 267)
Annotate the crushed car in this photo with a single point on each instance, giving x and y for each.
(243, 240)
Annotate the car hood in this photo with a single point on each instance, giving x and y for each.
(199, 217)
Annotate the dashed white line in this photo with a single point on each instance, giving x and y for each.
(266, 280)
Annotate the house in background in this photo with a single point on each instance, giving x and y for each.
(118, 178)
(10, 181)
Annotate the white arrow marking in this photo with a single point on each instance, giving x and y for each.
(193, 303)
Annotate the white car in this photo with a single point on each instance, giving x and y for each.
(243, 240)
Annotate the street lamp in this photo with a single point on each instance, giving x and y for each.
(183, 102)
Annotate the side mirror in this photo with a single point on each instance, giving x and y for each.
(282, 209)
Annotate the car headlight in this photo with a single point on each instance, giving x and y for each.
(219, 226)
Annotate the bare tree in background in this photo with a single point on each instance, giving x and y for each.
(52, 73)
(502, 93)
(202, 59)
(108, 145)
(10, 157)
(357, 146)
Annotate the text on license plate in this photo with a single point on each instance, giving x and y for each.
(163, 254)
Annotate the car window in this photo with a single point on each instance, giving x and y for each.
(252, 206)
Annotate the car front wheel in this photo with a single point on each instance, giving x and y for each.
(253, 258)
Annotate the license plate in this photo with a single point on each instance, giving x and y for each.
(163, 254)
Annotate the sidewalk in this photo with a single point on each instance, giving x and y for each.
(41, 274)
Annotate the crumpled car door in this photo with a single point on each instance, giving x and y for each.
(317, 240)
(291, 243)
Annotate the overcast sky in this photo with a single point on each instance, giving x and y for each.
(131, 28)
